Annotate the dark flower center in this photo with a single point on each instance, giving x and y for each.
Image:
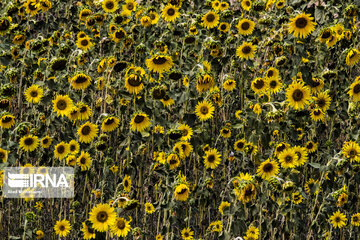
(109, 121)
(159, 60)
(72, 147)
(4, 25)
(298, 95)
(357, 89)
(85, 130)
(84, 42)
(102, 216)
(83, 160)
(29, 141)
(61, 104)
(204, 110)
(210, 17)
(62, 228)
(83, 109)
(268, 167)
(81, 79)
(121, 224)
(139, 119)
(245, 26)
(259, 84)
(61, 149)
(301, 22)
(6, 119)
(211, 158)
(109, 5)
(273, 84)
(170, 11)
(246, 50)
(288, 159)
(120, 34)
(182, 191)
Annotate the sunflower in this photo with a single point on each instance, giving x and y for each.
(322, 100)
(87, 132)
(224, 27)
(110, 124)
(212, 158)
(62, 105)
(229, 85)
(31, 7)
(71, 160)
(332, 40)
(187, 234)
(84, 111)
(210, 19)
(62, 228)
(240, 145)
(342, 199)
(159, 63)
(302, 25)
(5, 25)
(187, 132)
(89, 232)
(268, 169)
(186, 148)
(3, 155)
(352, 57)
(355, 219)
(354, 91)
(170, 13)
(298, 95)
(74, 147)
(225, 132)
(120, 227)
(118, 35)
(312, 187)
(29, 143)
(245, 26)
(129, 7)
(149, 208)
(140, 122)
(145, 21)
(7, 121)
(311, 146)
(297, 198)
(173, 160)
(84, 43)
(246, 193)
(109, 6)
(302, 155)
(61, 150)
(259, 85)
(351, 150)
(80, 81)
(134, 84)
(216, 226)
(338, 219)
(246, 5)
(246, 51)
(46, 142)
(181, 192)
(272, 73)
(102, 216)
(274, 85)
(280, 4)
(204, 110)
(325, 35)
(34, 94)
(154, 17)
(84, 161)
(317, 114)
(288, 158)
(127, 183)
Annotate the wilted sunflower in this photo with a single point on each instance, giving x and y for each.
(351, 150)
(110, 124)
(245, 26)
(87, 132)
(312, 187)
(61, 150)
(246, 193)
(302, 155)
(102, 216)
(80, 81)
(352, 57)
(204, 110)
(288, 158)
(134, 84)
(187, 132)
(338, 220)
(298, 95)
(210, 19)
(127, 183)
(354, 91)
(71, 160)
(7, 121)
(121, 227)
(170, 13)
(62, 105)
(5, 25)
(229, 85)
(181, 192)
(89, 232)
(302, 25)
(187, 234)
(159, 63)
(84, 161)
(140, 122)
(297, 198)
(3, 155)
(325, 35)
(259, 85)
(246, 51)
(29, 143)
(268, 169)
(173, 160)
(62, 228)
(109, 6)
(212, 158)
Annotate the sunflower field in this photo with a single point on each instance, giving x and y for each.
(183, 119)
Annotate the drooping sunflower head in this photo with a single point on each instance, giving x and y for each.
(354, 91)
(259, 85)
(80, 81)
(7, 121)
(134, 84)
(181, 192)
(110, 124)
(353, 57)
(159, 63)
(173, 160)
